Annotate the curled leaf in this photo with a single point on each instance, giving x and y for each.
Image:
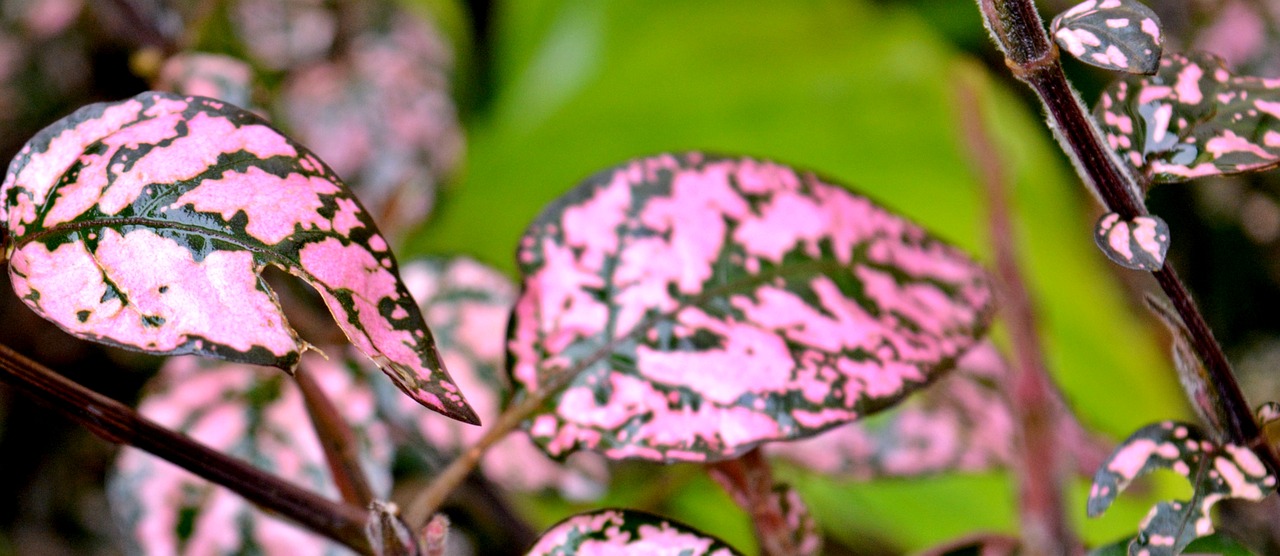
(1192, 119)
(626, 533)
(1216, 472)
(1192, 373)
(713, 304)
(253, 414)
(466, 304)
(1138, 244)
(1121, 35)
(145, 224)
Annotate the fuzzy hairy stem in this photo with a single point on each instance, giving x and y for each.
(1016, 27)
(1041, 467)
(341, 450)
(118, 424)
(749, 481)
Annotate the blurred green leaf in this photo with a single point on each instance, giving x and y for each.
(863, 94)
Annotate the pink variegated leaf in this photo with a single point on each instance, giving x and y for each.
(626, 533)
(962, 424)
(1216, 471)
(1192, 119)
(713, 304)
(254, 414)
(806, 536)
(1138, 244)
(145, 224)
(1121, 35)
(466, 304)
(382, 118)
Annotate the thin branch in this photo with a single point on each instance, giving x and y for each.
(1040, 464)
(1017, 29)
(119, 424)
(749, 481)
(341, 450)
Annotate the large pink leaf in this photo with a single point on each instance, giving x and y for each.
(145, 224)
(467, 305)
(254, 414)
(717, 303)
(626, 533)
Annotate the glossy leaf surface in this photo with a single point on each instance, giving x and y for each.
(254, 414)
(1138, 244)
(466, 304)
(626, 533)
(717, 303)
(1192, 119)
(1121, 35)
(145, 224)
(1215, 471)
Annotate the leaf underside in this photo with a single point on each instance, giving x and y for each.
(717, 303)
(1192, 119)
(1121, 35)
(1216, 472)
(145, 224)
(626, 533)
(253, 414)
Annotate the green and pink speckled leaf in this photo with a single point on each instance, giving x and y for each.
(619, 532)
(1192, 119)
(467, 304)
(257, 415)
(1216, 472)
(1121, 35)
(961, 424)
(1138, 244)
(718, 303)
(145, 224)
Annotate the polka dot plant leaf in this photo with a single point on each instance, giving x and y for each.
(1192, 119)
(714, 304)
(1121, 35)
(145, 224)
(626, 533)
(1216, 472)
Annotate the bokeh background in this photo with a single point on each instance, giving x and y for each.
(460, 120)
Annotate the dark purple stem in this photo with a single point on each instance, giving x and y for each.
(117, 423)
(338, 441)
(1039, 462)
(749, 481)
(1017, 29)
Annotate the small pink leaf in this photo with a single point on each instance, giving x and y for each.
(806, 535)
(207, 75)
(466, 304)
(1192, 119)
(626, 533)
(1216, 472)
(145, 224)
(256, 415)
(718, 303)
(1121, 35)
(1138, 244)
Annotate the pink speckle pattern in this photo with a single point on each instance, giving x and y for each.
(1191, 119)
(254, 414)
(167, 208)
(615, 532)
(741, 301)
(1138, 244)
(1121, 35)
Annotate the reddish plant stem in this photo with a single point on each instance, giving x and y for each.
(1018, 31)
(1041, 467)
(749, 481)
(341, 450)
(118, 424)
